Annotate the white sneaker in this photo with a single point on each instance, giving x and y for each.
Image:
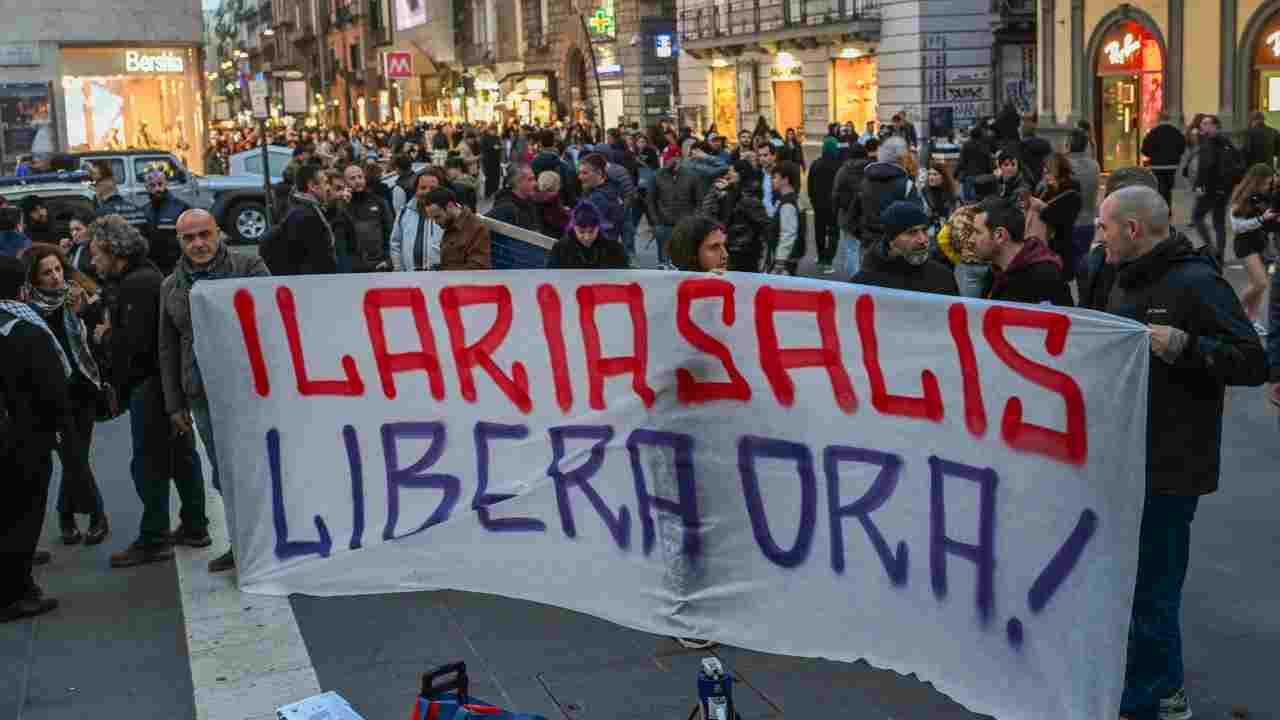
(1175, 707)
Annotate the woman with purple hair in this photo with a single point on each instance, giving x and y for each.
(584, 247)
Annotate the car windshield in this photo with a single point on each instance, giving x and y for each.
(278, 162)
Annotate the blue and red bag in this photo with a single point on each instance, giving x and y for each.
(444, 697)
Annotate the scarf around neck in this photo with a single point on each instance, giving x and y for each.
(24, 312)
(47, 302)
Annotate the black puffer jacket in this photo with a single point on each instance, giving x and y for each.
(847, 191)
(1176, 285)
(883, 184)
(741, 210)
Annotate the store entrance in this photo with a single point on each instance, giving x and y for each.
(788, 99)
(1120, 122)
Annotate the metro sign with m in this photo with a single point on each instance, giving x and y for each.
(398, 65)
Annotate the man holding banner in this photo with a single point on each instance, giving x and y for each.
(1201, 341)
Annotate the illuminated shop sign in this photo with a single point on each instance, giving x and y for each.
(139, 61)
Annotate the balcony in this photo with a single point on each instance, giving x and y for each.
(705, 25)
(1014, 17)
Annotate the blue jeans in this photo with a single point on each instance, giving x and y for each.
(629, 233)
(973, 278)
(967, 193)
(204, 426)
(661, 237)
(852, 252)
(1154, 667)
(158, 455)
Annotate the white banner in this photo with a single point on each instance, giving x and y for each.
(940, 486)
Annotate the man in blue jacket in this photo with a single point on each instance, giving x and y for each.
(1201, 342)
(13, 241)
(162, 220)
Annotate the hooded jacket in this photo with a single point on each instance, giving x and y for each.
(846, 193)
(1178, 286)
(822, 180)
(882, 185)
(741, 210)
(895, 273)
(604, 254)
(608, 201)
(1164, 145)
(1034, 276)
(373, 221)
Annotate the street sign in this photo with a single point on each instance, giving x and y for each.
(399, 65)
(258, 98)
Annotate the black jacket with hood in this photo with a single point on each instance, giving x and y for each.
(1034, 276)
(1178, 286)
(847, 192)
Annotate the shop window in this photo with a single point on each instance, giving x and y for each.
(856, 91)
(143, 166)
(1130, 91)
(1265, 73)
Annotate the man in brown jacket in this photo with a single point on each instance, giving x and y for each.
(465, 245)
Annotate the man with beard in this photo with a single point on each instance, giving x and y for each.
(162, 219)
(465, 244)
(37, 215)
(133, 349)
(337, 213)
(901, 261)
(308, 238)
(205, 257)
(1026, 270)
(372, 221)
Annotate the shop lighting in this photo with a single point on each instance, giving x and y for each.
(269, 32)
(785, 59)
(719, 63)
(850, 53)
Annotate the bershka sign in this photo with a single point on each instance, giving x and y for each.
(399, 65)
(141, 61)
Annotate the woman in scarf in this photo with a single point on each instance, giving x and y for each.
(60, 304)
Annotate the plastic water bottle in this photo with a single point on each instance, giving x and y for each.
(715, 691)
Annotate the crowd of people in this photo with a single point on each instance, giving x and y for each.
(98, 323)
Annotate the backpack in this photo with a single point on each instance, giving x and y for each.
(1230, 163)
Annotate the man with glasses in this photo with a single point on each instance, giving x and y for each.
(162, 218)
(205, 258)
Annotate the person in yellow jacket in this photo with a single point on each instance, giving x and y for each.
(955, 240)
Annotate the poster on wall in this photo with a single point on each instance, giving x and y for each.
(27, 120)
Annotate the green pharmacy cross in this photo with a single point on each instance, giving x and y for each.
(602, 22)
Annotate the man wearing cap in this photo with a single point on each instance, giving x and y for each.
(132, 346)
(901, 261)
(33, 383)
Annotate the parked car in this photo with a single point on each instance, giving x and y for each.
(236, 201)
(65, 194)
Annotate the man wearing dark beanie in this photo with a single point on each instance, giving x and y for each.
(902, 262)
(34, 407)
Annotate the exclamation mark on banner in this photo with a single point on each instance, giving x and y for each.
(1052, 577)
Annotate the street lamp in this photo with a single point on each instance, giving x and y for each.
(269, 32)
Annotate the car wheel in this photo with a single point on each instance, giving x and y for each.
(248, 222)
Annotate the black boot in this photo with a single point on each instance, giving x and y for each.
(99, 528)
(70, 533)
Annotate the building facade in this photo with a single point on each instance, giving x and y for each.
(96, 75)
(1120, 65)
(803, 64)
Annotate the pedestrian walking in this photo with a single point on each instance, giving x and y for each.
(675, 195)
(34, 408)
(60, 304)
(1025, 269)
(847, 201)
(1085, 169)
(902, 260)
(821, 186)
(1219, 167)
(1255, 214)
(205, 258)
(1201, 342)
(133, 348)
(1164, 146)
